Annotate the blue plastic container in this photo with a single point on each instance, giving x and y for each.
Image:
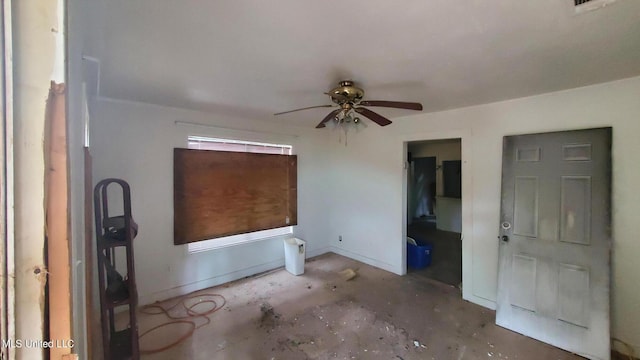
(418, 256)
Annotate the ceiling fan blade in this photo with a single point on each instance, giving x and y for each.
(305, 108)
(327, 118)
(375, 117)
(392, 104)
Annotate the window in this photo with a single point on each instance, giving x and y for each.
(205, 143)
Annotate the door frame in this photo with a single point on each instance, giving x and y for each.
(466, 148)
(7, 249)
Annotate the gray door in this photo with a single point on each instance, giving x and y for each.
(555, 239)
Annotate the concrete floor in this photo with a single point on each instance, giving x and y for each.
(319, 315)
(446, 252)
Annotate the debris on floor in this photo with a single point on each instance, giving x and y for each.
(348, 274)
(319, 316)
(337, 330)
(269, 318)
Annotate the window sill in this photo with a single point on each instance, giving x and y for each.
(217, 244)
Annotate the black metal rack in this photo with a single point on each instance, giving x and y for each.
(115, 290)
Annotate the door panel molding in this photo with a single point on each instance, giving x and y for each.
(525, 208)
(575, 213)
(573, 294)
(523, 295)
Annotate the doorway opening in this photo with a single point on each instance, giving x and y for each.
(434, 210)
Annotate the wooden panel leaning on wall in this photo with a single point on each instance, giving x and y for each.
(57, 220)
(222, 193)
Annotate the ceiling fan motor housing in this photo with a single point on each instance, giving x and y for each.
(346, 93)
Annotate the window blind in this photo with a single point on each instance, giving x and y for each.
(221, 193)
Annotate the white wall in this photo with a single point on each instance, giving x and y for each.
(448, 149)
(363, 205)
(368, 183)
(135, 142)
(449, 214)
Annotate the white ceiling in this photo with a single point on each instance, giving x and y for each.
(252, 58)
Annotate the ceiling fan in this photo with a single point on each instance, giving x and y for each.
(349, 98)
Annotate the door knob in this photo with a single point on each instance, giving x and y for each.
(505, 238)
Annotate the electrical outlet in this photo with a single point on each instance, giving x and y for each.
(339, 237)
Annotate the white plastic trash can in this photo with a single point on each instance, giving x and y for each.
(294, 250)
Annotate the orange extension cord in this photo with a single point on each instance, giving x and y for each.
(158, 309)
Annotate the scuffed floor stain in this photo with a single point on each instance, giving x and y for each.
(342, 330)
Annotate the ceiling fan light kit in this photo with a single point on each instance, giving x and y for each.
(345, 123)
(348, 98)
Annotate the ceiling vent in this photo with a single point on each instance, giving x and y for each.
(581, 6)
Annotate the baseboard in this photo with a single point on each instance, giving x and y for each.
(239, 274)
(221, 279)
(209, 282)
(480, 301)
(317, 252)
(366, 260)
